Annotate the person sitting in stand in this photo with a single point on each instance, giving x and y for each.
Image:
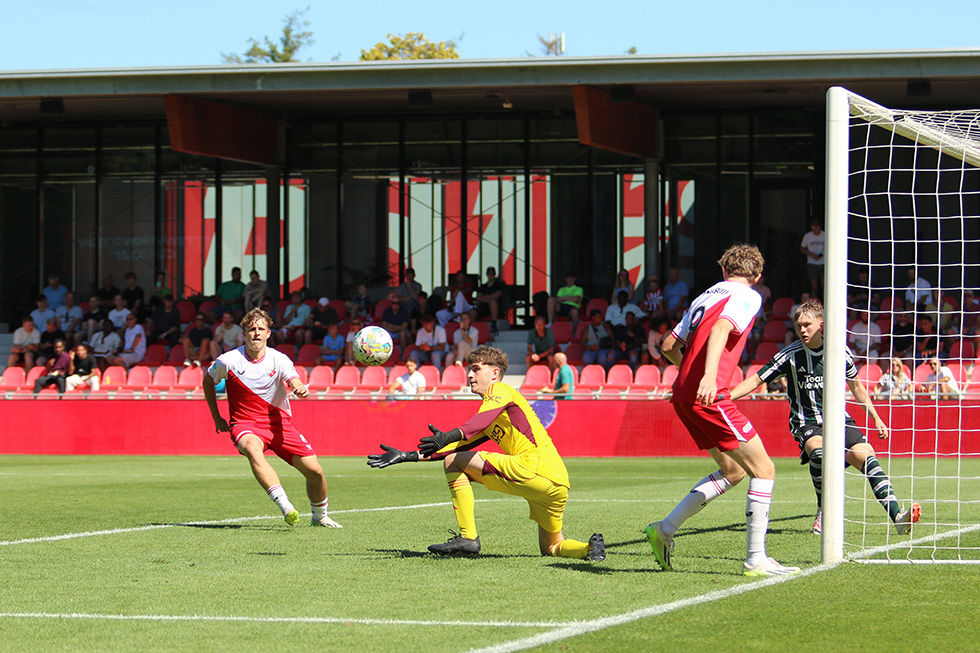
(231, 295)
(864, 339)
(895, 383)
(902, 339)
(653, 300)
(430, 343)
(629, 341)
(316, 324)
(227, 336)
(274, 315)
(332, 349)
(256, 291)
(294, 321)
(134, 344)
(567, 302)
(24, 347)
(107, 293)
(926, 341)
(92, 321)
(540, 344)
(564, 379)
(415, 318)
(460, 299)
(596, 342)
(119, 314)
(489, 300)
(54, 292)
(360, 304)
(410, 384)
(56, 369)
(940, 384)
(395, 320)
(356, 324)
(69, 314)
(52, 333)
(133, 295)
(409, 290)
(622, 282)
(197, 342)
(42, 313)
(464, 341)
(106, 343)
(653, 354)
(83, 371)
(676, 295)
(160, 290)
(616, 315)
(165, 323)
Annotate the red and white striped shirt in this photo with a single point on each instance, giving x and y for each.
(258, 391)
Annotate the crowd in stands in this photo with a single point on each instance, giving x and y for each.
(917, 341)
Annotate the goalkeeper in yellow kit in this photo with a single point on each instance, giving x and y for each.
(529, 466)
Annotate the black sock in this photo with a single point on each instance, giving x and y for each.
(881, 486)
(816, 473)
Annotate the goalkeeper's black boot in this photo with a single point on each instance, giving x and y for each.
(597, 548)
(457, 544)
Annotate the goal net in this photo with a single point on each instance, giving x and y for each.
(903, 282)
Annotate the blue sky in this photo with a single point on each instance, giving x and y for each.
(54, 34)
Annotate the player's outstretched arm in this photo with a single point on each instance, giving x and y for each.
(439, 439)
(392, 456)
(746, 386)
(861, 394)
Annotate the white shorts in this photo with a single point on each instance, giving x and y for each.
(131, 359)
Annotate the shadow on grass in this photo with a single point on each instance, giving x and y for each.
(737, 527)
(405, 553)
(250, 527)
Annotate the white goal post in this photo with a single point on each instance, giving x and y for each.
(903, 198)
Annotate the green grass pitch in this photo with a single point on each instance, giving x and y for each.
(187, 553)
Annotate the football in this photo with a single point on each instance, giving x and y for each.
(372, 345)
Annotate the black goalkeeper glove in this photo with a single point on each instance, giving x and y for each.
(392, 456)
(439, 439)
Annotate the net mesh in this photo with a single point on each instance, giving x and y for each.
(913, 256)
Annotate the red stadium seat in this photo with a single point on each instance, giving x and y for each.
(453, 378)
(373, 379)
(395, 372)
(574, 352)
(405, 354)
(340, 307)
(536, 377)
(186, 310)
(891, 304)
(321, 378)
(176, 357)
(775, 331)
(921, 372)
(207, 305)
(156, 355)
(592, 377)
(562, 331)
(869, 375)
(668, 377)
(190, 378)
(302, 373)
(114, 377)
(139, 377)
(451, 328)
(962, 350)
(33, 374)
(765, 351)
(308, 355)
(287, 349)
(347, 377)
(13, 378)
(597, 303)
(483, 329)
(379, 309)
(163, 379)
(620, 377)
(647, 377)
(431, 374)
(781, 308)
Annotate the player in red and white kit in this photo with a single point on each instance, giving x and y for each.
(713, 335)
(256, 382)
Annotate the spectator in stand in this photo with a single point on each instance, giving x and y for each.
(918, 293)
(430, 343)
(42, 313)
(69, 315)
(294, 320)
(926, 341)
(489, 300)
(464, 341)
(541, 346)
(269, 308)
(804, 297)
(165, 323)
(83, 370)
(654, 354)
(616, 316)
(864, 338)
(944, 316)
(332, 349)
(395, 320)
(409, 384)
(51, 334)
(106, 343)
(676, 295)
(360, 303)
(107, 293)
(902, 339)
(653, 300)
(119, 314)
(567, 302)
(940, 384)
(812, 248)
(460, 299)
(54, 292)
(256, 291)
(859, 292)
(629, 341)
(895, 383)
(134, 343)
(596, 342)
(134, 296)
(160, 290)
(316, 324)
(409, 290)
(766, 294)
(231, 295)
(92, 321)
(197, 342)
(56, 369)
(622, 282)
(24, 347)
(228, 335)
(564, 379)
(356, 324)
(421, 308)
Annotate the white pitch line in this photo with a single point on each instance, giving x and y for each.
(277, 620)
(583, 627)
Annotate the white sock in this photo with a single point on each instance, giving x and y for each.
(277, 494)
(757, 518)
(704, 491)
(319, 510)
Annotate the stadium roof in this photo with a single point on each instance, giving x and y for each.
(946, 78)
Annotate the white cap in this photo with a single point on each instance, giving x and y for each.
(324, 301)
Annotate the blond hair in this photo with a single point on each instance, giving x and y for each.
(741, 260)
(811, 308)
(488, 355)
(253, 316)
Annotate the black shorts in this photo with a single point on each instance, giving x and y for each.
(852, 436)
(564, 310)
(482, 310)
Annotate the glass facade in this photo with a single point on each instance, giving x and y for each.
(362, 199)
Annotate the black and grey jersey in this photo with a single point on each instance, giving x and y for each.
(803, 369)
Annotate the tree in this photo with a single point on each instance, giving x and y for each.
(285, 50)
(554, 45)
(413, 45)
